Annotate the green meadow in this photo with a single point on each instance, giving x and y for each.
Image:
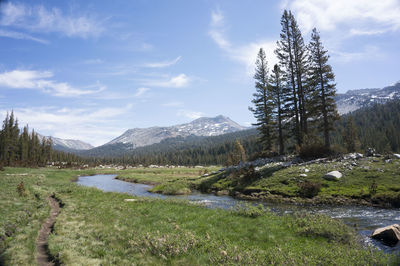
(101, 228)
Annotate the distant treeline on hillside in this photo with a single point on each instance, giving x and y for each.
(377, 126)
(191, 150)
(21, 148)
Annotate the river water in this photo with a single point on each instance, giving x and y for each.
(364, 218)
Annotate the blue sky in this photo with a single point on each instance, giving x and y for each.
(90, 70)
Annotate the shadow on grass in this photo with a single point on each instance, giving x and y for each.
(237, 180)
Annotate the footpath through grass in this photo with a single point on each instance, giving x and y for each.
(98, 228)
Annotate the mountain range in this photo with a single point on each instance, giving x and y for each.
(139, 137)
(355, 99)
(67, 144)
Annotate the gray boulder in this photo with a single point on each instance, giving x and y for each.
(333, 176)
(396, 155)
(370, 152)
(389, 234)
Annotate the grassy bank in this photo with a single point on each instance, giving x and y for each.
(96, 228)
(369, 181)
(169, 181)
(366, 181)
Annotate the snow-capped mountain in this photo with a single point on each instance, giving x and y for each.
(68, 144)
(204, 126)
(356, 99)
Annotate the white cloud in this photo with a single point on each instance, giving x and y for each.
(356, 17)
(21, 36)
(367, 53)
(31, 79)
(190, 114)
(178, 81)
(141, 91)
(163, 64)
(245, 54)
(43, 20)
(95, 126)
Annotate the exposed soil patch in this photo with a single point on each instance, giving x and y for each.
(43, 255)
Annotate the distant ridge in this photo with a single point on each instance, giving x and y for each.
(68, 144)
(355, 99)
(204, 126)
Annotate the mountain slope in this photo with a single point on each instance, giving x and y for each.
(68, 145)
(190, 150)
(205, 126)
(356, 99)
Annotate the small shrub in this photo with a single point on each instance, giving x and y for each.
(320, 225)
(373, 188)
(313, 151)
(21, 189)
(313, 148)
(249, 210)
(309, 189)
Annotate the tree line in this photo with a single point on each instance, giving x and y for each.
(296, 99)
(23, 148)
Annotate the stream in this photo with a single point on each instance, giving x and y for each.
(365, 218)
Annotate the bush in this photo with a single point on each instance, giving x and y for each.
(373, 188)
(313, 148)
(21, 189)
(309, 189)
(249, 210)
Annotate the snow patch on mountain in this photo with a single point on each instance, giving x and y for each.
(356, 99)
(204, 126)
(60, 144)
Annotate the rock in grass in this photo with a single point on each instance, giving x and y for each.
(333, 176)
(128, 200)
(389, 235)
(396, 155)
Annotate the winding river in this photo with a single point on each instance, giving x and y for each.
(365, 218)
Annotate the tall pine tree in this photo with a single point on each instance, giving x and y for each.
(279, 94)
(322, 80)
(262, 101)
(285, 54)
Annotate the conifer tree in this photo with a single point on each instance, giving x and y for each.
(279, 93)
(300, 55)
(350, 135)
(262, 101)
(324, 89)
(285, 54)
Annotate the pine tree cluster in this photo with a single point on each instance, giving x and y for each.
(297, 100)
(21, 148)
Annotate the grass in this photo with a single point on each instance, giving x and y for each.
(100, 228)
(370, 180)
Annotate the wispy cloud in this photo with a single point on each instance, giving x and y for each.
(356, 17)
(173, 104)
(140, 92)
(163, 64)
(42, 20)
(245, 54)
(190, 114)
(178, 81)
(367, 53)
(95, 126)
(20, 36)
(40, 80)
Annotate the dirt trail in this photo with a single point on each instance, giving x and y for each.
(43, 256)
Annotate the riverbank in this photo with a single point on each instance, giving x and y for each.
(95, 227)
(371, 181)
